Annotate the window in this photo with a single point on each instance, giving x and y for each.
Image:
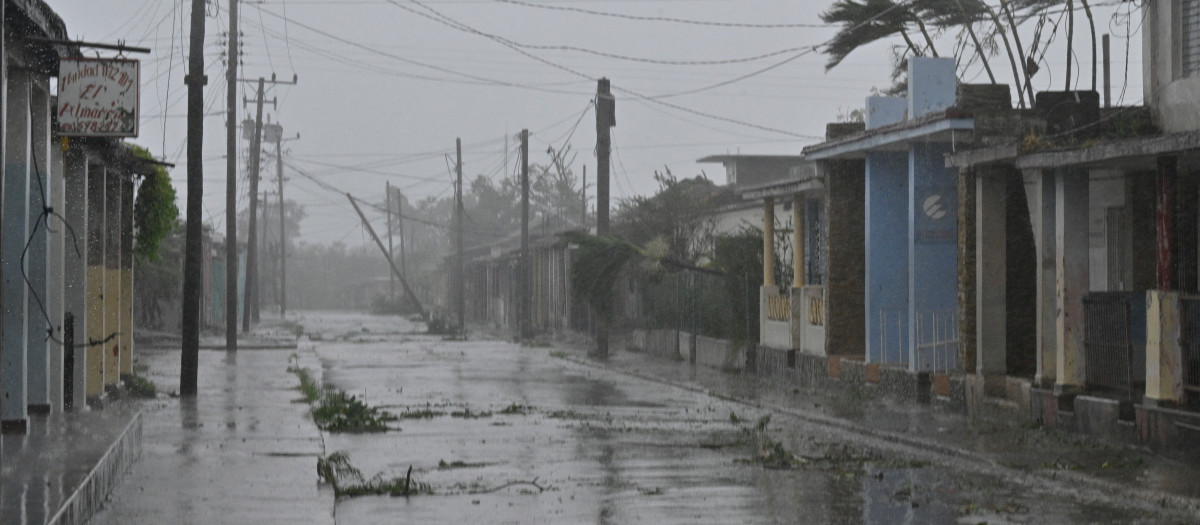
(815, 249)
(1190, 28)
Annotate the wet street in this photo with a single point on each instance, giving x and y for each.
(510, 434)
(496, 432)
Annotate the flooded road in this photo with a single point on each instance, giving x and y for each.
(508, 434)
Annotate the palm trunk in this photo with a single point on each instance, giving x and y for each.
(1012, 60)
(970, 23)
(925, 33)
(1070, 40)
(912, 46)
(1020, 51)
(1091, 25)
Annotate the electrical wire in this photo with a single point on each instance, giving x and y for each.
(662, 18)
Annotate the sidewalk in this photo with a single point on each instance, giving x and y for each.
(242, 451)
(60, 471)
(1009, 447)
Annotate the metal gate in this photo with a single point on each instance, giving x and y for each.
(1109, 360)
(1189, 343)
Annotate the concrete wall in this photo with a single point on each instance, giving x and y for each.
(719, 353)
(1170, 94)
(933, 234)
(887, 261)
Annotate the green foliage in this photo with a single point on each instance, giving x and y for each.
(347, 481)
(334, 410)
(675, 223)
(154, 210)
(139, 386)
(598, 267)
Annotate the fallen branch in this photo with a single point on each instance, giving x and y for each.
(532, 483)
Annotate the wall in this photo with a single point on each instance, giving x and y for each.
(1171, 95)
(846, 265)
(933, 234)
(887, 256)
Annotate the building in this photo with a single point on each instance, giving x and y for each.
(66, 237)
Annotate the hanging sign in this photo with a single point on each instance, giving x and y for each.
(98, 97)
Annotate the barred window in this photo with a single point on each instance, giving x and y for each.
(816, 248)
(1191, 38)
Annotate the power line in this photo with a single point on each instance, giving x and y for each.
(662, 18)
(445, 20)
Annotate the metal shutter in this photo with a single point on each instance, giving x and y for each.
(1191, 38)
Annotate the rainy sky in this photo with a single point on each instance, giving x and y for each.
(385, 86)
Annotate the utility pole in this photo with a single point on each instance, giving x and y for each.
(605, 119)
(523, 275)
(195, 80)
(249, 296)
(231, 258)
(583, 197)
(460, 294)
(400, 225)
(282, 226)
(391, 257)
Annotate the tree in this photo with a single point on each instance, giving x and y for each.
(155, 213)
(676, 223)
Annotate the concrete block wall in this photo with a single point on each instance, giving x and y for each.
(720, 353)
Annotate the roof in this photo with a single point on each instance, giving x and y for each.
(1131, 151)
(726, 158)
(934, 125)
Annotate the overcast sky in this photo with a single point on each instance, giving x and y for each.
(385, 86)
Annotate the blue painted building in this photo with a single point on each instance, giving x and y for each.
(911, 217)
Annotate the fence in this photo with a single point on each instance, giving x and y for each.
(693, 301)
(937, 341)
(1189, 342)
(1111, 360)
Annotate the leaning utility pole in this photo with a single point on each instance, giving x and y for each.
(391, 264)
(249, 297)
(523, 275)
(195, 80)
(605, 119)
(391, 257)
(460, 291)
(231, 258)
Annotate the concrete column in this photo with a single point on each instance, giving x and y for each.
(769, 241)
(112, 277)
(126, 276)
(991, 343)
(798, 246)
(97, 332)
(1041, 207)
(14, 216)
(37, 255)
(55, 304)
(75, 269)
(1167, 260)
(1071, 275)
(1164, 375)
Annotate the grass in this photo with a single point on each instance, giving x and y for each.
(348, 481)
(334, 410)
(139, 386)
